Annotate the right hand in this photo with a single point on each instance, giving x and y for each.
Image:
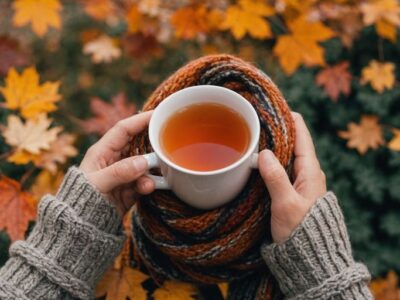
(290, 203)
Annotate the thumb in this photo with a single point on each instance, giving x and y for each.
(274, 175)
(120, 172)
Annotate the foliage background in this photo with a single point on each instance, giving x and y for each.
(150, 46)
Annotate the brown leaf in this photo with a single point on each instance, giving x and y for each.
(142, 46)
(335, 80)
(365, 135)
(11, 54)
(386, 288)
(17, 208)
(107, 114)
(345, 20)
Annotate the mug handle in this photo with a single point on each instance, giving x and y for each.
(254, 160)
(152, 162)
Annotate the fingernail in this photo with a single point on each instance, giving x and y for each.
(146, 185)
(269, 157)
(140, 163)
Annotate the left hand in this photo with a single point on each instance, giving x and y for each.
(116, 177)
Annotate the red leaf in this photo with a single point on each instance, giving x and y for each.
(11, 54)
(107, 114)
(17, 208)
(335, 79)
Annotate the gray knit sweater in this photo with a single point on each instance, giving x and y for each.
(78, 234)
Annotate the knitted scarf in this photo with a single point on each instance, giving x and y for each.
(172, 240)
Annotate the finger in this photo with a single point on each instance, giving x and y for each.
(144, 185)
(275, 177)
(119, 135)
(121, 172)
(304, 147)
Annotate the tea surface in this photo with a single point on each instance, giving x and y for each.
(205, 137)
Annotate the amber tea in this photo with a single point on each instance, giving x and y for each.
(205, 137)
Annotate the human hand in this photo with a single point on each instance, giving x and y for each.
(116, 177)
(290, 203)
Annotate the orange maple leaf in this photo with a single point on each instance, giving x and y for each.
(335, 80)
(301, 45)
(100, 9)
(17, 208)
(394, 144)
(385, 14)
(190, 21)
(367, 134)
(248, 17)
(386, 288)
(42, 14)
(24, 92)
(379, 75)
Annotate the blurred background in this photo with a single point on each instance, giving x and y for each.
(70, 69)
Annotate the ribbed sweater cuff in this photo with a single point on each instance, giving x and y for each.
(316, 262)
(87, 202)
(76, 238)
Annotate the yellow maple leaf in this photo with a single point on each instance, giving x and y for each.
(367, 134)
(41, 13)
(190, 21)
(123, 282)
(102, 49)
(174, 290)
(24, 92)
(379, 75)
(301, 45)
(46, 183)
(385, 14)
(394, 144)
(33, 136)
(248, 17)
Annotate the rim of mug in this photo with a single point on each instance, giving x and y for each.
(249, 151)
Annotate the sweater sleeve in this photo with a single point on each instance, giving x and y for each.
(316, 261)
(77, 235)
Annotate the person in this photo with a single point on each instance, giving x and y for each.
(79, 233)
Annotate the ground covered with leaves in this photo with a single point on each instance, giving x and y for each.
(70, 69)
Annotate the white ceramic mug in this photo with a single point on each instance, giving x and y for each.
(210, 189)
